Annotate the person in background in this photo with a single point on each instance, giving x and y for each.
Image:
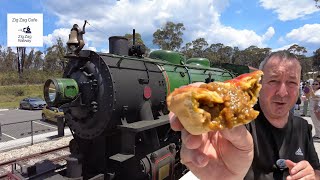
(299, 101)
(318, 78)
(314, 108)
(276, 145)
(307, 92)
(297, 105)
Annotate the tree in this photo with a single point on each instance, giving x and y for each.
(54, 58)
(61, 51)
(251, 56)
(316, 59)
(38, 60)
(169, 37)
(21, 55)
(9, 60)
(29, 60)
(138, 41)
(196, 48)
(212, 53)
(306, 65)
(219, 53)
(298, 50)
(187, 50)
(2, 56)
(225, 53)
(317, 5)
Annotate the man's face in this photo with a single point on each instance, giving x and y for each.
(280, 87)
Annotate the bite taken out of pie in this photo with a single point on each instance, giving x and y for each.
(216, 105)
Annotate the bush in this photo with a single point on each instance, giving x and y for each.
(17, 91)
(28, 77)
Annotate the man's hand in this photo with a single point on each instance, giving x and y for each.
(300, 170)
(223, 154)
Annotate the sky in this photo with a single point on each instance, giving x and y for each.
(276, 24)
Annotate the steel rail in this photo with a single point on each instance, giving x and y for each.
(31, 156)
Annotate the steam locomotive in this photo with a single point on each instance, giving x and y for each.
(115, 106)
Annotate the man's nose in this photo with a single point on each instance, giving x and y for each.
(282, 91)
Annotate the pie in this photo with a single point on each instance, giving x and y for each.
(216, 105)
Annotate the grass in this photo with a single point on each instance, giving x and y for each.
(10, 96)
(13, 89)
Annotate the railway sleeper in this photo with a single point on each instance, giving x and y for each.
(35, 170)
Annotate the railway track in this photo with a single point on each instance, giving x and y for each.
(21, 165)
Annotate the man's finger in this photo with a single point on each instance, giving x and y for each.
(239, 137)
(301, 168)
(236, 143)
(192, 141)
(174, 122)
(196, 84)
(193, 157)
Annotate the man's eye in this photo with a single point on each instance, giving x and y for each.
(273, 82)
(293, 84)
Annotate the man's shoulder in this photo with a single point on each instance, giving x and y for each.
(299, 122)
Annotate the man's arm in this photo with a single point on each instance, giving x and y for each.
(225, 154)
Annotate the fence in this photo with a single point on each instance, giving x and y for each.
(29, 132)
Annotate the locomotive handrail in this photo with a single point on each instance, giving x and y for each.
(161, 62)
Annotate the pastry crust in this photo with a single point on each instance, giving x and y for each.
(217, 105)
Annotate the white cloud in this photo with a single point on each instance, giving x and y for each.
(281, 40)
(235, 38)
(283, 47)
(51, 39)
(307, 36)
(290, 9)
(109, 18)
(105, 50)
(90, 48)
(269, 34)
(309, 33)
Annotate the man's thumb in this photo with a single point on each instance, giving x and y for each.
(290, 164)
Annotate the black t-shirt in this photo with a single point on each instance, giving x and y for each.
(294, 142)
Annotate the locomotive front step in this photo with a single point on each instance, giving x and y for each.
(140, 126)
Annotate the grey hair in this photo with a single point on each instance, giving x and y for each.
(284, 54)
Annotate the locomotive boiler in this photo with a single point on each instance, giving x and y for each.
(115, 106)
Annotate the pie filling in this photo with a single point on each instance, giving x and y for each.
(235, 107)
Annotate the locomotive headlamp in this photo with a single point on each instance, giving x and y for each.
(59, 91)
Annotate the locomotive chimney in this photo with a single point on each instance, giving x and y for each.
(118, 45)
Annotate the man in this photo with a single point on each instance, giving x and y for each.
(252, 151)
